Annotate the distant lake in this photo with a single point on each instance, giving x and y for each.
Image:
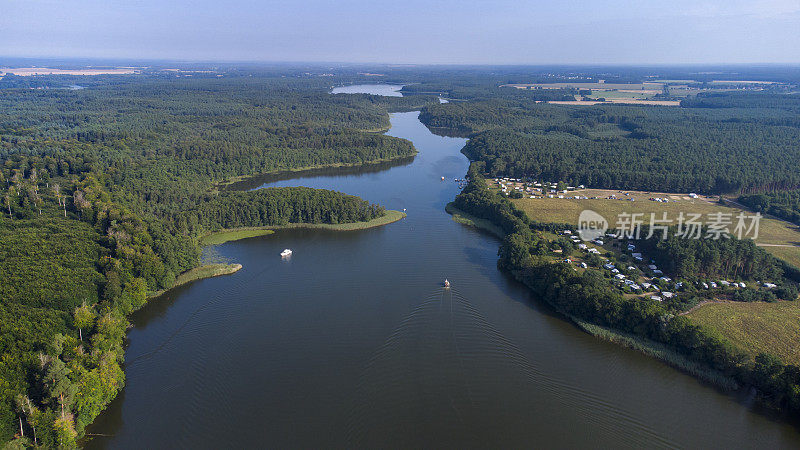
(389, 90)
(353, 343)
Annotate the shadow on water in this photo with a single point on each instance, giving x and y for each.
(451, 132)
(260, 180)
(106, 425)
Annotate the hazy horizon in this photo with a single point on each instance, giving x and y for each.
(464, 33)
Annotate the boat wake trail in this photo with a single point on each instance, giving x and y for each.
(435, 378)
(446, 377)
(224, 303)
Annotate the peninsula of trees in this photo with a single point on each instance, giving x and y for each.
(105, 191)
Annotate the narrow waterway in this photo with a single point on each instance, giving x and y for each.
(353, 343)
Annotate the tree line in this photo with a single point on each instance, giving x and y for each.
(586, 296)
(747, 148)
(783, 204)
(724, 258)
(104, 193)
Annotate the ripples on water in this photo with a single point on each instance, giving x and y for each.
(446, 345)
(349, 344)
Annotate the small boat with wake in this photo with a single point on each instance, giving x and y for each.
(286, 253)
(446, 284)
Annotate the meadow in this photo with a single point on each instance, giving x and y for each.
(755, 327)
(779, 238)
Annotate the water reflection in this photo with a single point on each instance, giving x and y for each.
(261, 180)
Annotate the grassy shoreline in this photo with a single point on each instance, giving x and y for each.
(470, 220)
(234, 234)
(659, 351)
(198, 273)
(229, 235)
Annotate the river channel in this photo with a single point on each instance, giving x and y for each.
(352, 342)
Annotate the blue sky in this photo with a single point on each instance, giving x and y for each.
(408, 31)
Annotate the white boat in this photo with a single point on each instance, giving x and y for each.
(446, 283)
(286, 253)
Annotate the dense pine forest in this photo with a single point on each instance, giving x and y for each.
(104, 192)
(783, 204)
(740, 142)
(694, 259)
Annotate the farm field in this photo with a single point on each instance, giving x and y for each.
(621, 101)
(640, 93)
(755, 327)
(28, 71)
(782, 239)
(603, 86)
(626, 94)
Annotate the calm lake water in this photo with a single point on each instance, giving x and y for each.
(353, 343)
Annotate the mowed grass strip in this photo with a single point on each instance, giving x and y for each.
(755, 327)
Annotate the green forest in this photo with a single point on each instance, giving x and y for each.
(740, 142)
(585, 296)
(783, 204)
(712, 258)
(105, 191)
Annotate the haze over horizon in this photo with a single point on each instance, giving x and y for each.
(412, 32)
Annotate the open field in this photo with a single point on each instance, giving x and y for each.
(626, 94)
(640, 93)
(755, 327)
(28, 71)
(667, 81)
(605, 86)
(683, 91)
(775, 233)
(788, 254)
(620, 101)
(633, 93)
(743, 82)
